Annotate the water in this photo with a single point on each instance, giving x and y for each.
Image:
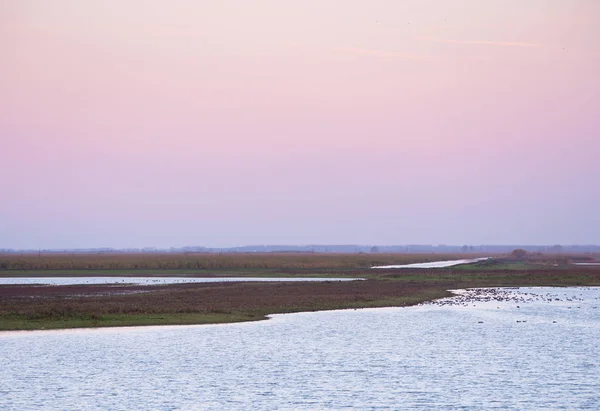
(522, 349)
(435, 264)
(152, 280)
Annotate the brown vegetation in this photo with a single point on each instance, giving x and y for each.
(42, 302)
(43, 306)
(29, 306)
(208, 261)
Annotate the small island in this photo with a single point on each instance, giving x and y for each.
(38, 306)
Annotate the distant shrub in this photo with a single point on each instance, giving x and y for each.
(519, 253)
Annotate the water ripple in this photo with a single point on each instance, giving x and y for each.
(435, 356)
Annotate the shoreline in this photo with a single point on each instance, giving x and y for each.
(457, 294)
(28, 307)
(51, 307)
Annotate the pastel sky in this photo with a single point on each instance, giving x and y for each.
(129, 123)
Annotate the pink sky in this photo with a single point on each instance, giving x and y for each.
(185, 122)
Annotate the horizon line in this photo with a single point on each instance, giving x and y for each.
(156, 248)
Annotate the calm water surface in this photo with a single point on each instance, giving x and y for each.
(436, 264)
(524, 349)
(152, 280)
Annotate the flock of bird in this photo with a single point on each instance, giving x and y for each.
(474, 296)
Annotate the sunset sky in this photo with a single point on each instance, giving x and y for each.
(161, 123)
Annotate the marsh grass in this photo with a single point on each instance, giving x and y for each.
(35, 307)
(190, 263)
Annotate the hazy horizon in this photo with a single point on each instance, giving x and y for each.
(221, 123)
(318, 248)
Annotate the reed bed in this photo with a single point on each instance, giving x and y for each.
(207, 261)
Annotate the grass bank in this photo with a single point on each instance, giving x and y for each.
(30, 307)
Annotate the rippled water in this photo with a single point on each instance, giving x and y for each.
(530, 349)
(152, 280)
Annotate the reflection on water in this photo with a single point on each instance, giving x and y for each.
(526, 349)
(152, 280)
(436, 264)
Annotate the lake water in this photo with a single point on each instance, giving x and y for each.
(152, 280)
(436, 264)
(512, 349)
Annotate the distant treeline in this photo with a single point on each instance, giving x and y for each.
(351, 249)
